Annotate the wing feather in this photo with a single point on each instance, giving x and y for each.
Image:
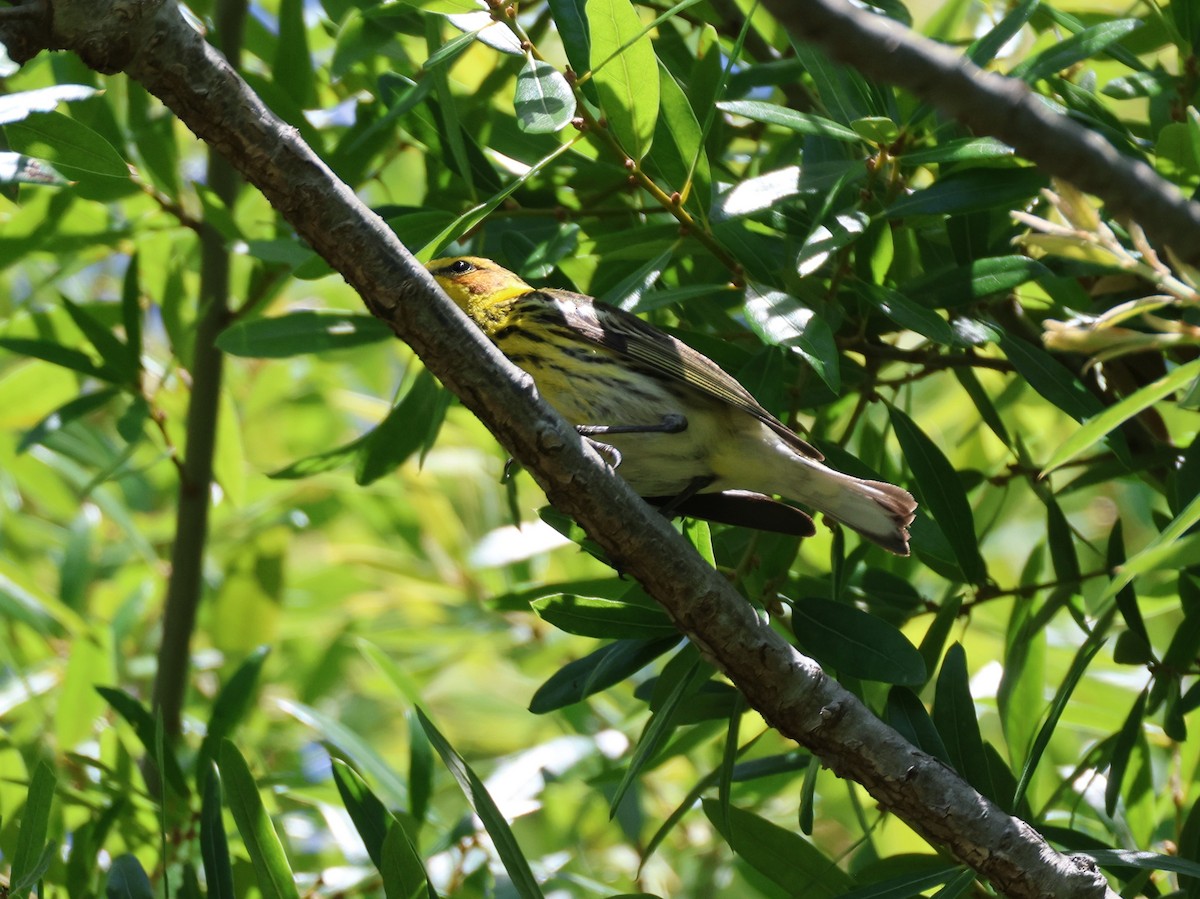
(657, 352)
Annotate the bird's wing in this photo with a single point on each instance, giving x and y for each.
(659, 353)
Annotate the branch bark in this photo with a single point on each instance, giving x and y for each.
(1005, 108)
(152, 43)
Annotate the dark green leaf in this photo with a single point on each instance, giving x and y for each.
(271, 869)
(127, 879)
(954, 717)
(297, 333)
(800, 122)
(1050, 378)
(782, 320)
(511, 856)
(214, 845)
(145, 726)
(854, 642)
(786, 859)
(1127, 738)
(907, 715)
(371, 819)
(942, 494)
(402, 871)
(35, 827)
(971, 190)
(230, 707)
(597, 671)
(588, 616)
(64, 415)
(1065, 53)
(55, 353)
(407, 428)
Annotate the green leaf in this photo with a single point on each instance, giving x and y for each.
(271, 869)
(570, 22)
(145, 726)
(625, 72)
(954, 717)
(1122, 752)
(906, 713)
(588, 616)
(1067, 52)
(402, 870)
(214, 845)
(410, 425)
(1112, 417)
(854, 642)
(297, 333)
(1062, 696)
(1062, 546)
(348, 741)
(1050, 378)
(597, 671)
(127, 879)
(113, 351)
(35, 827)
(965, 149)
(971, 190)
(1164, 551)
(907, 314)
(782, 320)
(974, 281)
(679, 146)
(942, 493)
(985, 48)
(523, 882)
(800, 122)
(785, 858)
(371, 818)
(68, 412)
(74, 149)
(543, 101)
(56, 354)
(233, 701)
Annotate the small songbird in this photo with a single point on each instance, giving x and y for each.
(684, 433)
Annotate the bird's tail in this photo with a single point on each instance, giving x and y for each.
(879, 511)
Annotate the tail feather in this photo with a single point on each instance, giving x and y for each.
(879, 511)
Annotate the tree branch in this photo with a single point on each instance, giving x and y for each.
(1003, 107)
(791, 691)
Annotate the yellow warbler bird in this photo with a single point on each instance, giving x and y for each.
(686, 435)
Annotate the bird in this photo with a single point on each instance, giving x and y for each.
(682, 432)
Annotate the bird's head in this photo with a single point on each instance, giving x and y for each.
(479, 286)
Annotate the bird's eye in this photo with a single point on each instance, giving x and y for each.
(460, 267)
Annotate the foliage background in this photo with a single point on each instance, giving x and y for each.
(885, 308)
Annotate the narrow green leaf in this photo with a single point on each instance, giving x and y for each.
(597, 671)
(358, 749)
(297, 333)
(985, 48)
(420, 768)
(907, 313)
(405, 429)
(1158, 552)
(68, 412)
(35, 827)
(1062, 696)
(370, 817)
(854, 642)
(1063, 556)
(523, 881)
(965, 375)
(782, 320)
(625, 71)
(271, 868)
(588, 616)
(74, 149)
(543, 102)
(1122, 751)
(570, 22)
(402, 871)
(127, 879)
(942, 494)
(800, 122)
(974, 281)
(905, 712)
(145, 726)
(682, 676)
(17, 168)
(971, 190)
(1067, 52)
(787, 859)
(954, 716)
(214, 845)
(1050, 378)
(56, 354)
(233, 701)
(679, 146)
(1112, 417)
(966, 149)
